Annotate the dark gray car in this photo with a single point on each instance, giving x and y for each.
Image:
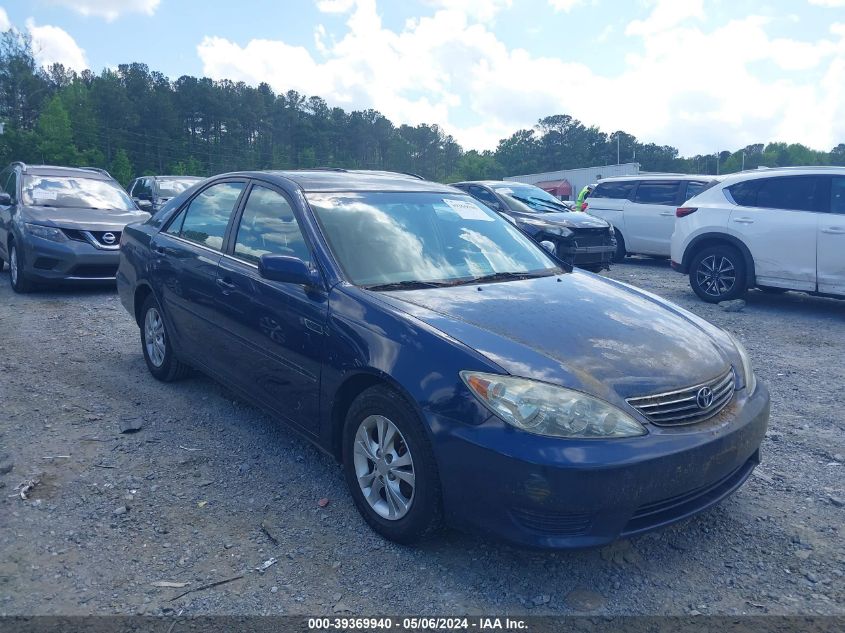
(61, 224)
(151, 193)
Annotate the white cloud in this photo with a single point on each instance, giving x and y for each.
(5, 25)
(479, 10)
(828, 3)
(666, 14)
(565, 5)
(697, 88)
(110, 9)
(51, 45)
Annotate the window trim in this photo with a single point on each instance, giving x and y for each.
(824, 183)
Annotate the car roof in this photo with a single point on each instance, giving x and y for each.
(770, 172)
(55, 170)
(174, 177)
(655, 176)
(325, 180)
(491, 183)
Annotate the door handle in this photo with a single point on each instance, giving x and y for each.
(158, 250)
(226, 284)
(743, 220)
(834, 230)
(667, 213)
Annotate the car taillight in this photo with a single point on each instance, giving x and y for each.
(685, 211)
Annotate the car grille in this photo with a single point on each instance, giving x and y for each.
(687, 406)
(94, 271)
(553, 523)
(95, 238)
(591, 237)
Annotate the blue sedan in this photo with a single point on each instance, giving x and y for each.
(458, 372)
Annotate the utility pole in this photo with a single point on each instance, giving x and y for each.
(717, 163)
(743, 160)
(617, 149)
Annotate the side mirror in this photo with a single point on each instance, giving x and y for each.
(144, 205)
(5, 199)
(289, 270)
(549, 246)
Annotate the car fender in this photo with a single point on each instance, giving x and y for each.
(707, 237)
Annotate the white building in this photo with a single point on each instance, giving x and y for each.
(567, 183)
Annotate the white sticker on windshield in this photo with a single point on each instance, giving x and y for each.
(504, 190)
(468, 210)
(44, 194)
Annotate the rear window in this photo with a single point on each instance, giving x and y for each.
(614, 190)
(658, 192)
(795, 193)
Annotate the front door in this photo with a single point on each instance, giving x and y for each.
(273, 332)
(185, 256)
(831, 241)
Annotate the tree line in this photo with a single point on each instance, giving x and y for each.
(134, 121)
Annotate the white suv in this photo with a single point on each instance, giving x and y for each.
(776, 229)
(642, 209)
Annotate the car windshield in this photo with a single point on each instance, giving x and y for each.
(73, 191)
(405, 240)
(172, 187)
(532, 198)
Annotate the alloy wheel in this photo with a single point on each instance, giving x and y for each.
(384, 467)
(716, 275)
(154, 337)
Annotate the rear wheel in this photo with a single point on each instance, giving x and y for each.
(155, 343)
(20, 280)
(389, 467)
(620, 253)
(717, 273)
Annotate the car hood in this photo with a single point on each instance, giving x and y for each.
(577, 330)
(84, 219)
(569, 219)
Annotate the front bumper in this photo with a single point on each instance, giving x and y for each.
(71, 260)
(586, 249)
(555, 493)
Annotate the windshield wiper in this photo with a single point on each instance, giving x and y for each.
(511, 276)
(408, 284)
(548, 204)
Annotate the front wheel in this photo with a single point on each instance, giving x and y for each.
(155, 343)
(718, 274)
(20, 280)
(621, 252)
(390, 468)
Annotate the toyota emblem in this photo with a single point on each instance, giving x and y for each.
(704, 398)
(109, 238)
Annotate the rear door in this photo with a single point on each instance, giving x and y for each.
(777, 218)
(650, 216)
(273, 332)
(831, 240)
(184, 259)
(6, 210)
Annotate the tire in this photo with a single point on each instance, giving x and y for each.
(621, 253)
(155, 345)
(21, 283)
(413, 476)
(718, 273)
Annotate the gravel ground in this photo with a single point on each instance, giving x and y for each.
(183, 499)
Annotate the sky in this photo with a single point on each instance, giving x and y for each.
(701, 75)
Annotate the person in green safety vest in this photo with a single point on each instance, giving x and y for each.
(586, 191)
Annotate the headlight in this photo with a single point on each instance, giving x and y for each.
(748, 377)
(612, 230)
(544, 409)
(46, 232)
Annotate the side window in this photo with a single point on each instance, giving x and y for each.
(268, 227)
(614, 190)
(485, 196)
(11, 185)
(745, 193)
(796, 193)
(658, 192)
(694, 187)
(207, 216)
(837, 195)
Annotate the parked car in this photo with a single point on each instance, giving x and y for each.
(579, 239)
(774, 229)
(450, 364)
(642, 209)
(150, 193)
(61, 224)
